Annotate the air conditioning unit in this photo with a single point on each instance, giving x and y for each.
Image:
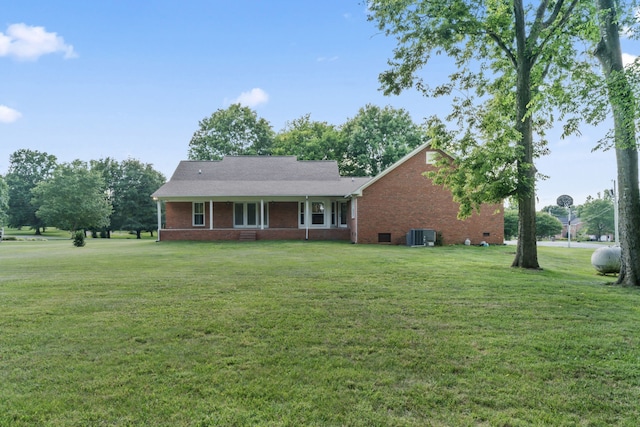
(421, 237)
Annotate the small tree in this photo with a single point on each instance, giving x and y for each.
(547, 225)
(78, 239)
(597, 215)
(73, 199)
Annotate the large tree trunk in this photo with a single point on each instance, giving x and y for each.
(527, 250)
(609, 54)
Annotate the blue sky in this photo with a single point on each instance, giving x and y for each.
(132, 78)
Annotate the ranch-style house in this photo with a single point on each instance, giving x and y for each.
(280, 197)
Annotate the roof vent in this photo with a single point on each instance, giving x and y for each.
(199, 171)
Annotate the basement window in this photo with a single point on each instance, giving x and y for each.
(384, 237)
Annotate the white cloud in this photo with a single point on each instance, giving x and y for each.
(8, 115)
(253, 98)
(27, 42)
(628, 59)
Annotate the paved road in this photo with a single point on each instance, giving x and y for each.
(564, 244)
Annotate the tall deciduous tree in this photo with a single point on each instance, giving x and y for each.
(26, 169)
(309, 140)
(134, 210)
(73, 198)
(624, 107)
(507, 52)
(234, 131)
(376, 138)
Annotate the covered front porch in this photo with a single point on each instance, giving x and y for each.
(245, 219)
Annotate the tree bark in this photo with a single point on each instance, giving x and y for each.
(527, 251)
(609, 53)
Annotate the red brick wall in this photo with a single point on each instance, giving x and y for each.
(283, 215)
(222, 214)
(266, 234)
(404, 199)
(179, 215)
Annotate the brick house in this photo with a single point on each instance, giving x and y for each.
(279, 197)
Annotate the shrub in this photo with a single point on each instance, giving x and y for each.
(78, 239)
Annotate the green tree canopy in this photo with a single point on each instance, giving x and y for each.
(309, 140)
(129, 185)
(555, 210)
(509, 54)
(4, 202)
(27, 168)
(134, 210)
(376, 138)
(547, 225)
(234, 131)
(597, 215)
(73, 198)
(510, 223)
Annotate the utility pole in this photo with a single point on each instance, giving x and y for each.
(615, 213)
(566, 201)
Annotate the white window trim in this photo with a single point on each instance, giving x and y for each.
(193, 214)
(259, 220)
(338, 214)
(308, 215)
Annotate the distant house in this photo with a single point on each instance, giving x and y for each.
(280, 197)
(576, 226)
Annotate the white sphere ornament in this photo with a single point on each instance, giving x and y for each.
(607, 259)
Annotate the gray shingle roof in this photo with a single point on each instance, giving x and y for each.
(246, 176)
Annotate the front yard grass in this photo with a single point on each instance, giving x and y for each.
(126, 332)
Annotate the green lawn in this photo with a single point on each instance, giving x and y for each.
(127, 332)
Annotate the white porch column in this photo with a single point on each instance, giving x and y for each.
(307, 220)
(261, 214)
(159, 206)
(210, 214)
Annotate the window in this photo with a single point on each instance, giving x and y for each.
(248, 214)
(339, 214)
(384, 237)
(320, 212)
(432, 157)
(317, 213)
(198, 214)
(343, 214)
